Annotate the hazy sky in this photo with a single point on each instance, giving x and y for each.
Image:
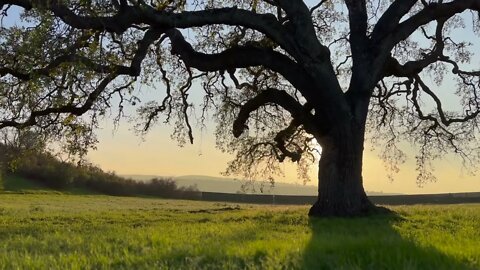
(159, 155)
(126, 153)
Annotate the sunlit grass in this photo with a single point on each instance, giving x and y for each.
(53, 231)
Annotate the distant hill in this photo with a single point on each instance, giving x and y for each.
(230, 185)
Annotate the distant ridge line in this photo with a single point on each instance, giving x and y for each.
(231, 185)
(445, 198)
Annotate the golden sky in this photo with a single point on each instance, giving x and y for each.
(126, 153)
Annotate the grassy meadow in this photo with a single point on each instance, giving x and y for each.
(58, 231)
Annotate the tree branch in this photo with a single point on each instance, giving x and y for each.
(390, 19)
(357, 13)
(145, 14)
(113, 72)
(411, 68)
(443, 117)
(318, 5)
(273, 96)
(70, 108)
(240, 57)
(431, 12)
(133, 70)
(280, 139)
(301, 27)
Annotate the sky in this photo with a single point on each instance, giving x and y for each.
(157, 154)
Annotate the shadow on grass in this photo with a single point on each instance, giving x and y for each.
(369, 243)
(15, 183)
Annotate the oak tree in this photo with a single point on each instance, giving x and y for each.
(281, 76)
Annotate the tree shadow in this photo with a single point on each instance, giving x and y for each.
(13, 183)
(369, 243)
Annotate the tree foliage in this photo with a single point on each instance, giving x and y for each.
(280, 74)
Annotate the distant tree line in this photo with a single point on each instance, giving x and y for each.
(45, 168)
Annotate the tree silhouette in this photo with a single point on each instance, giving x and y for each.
(285, 74)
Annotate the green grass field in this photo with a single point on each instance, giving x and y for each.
(56, 231)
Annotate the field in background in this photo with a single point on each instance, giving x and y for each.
(82, 232)
(17, 184)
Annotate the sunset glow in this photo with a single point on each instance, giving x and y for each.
(126, 153)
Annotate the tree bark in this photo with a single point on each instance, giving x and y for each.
(340, 184)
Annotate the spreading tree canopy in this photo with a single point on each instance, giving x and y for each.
(279, 77)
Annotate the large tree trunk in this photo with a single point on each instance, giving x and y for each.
(340, 185)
